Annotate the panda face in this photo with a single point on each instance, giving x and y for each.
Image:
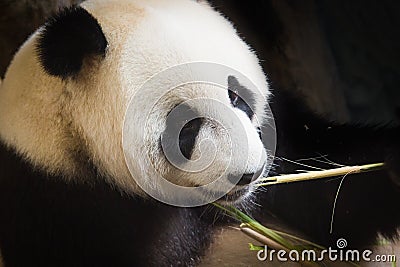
(64, 99)
(196, 139)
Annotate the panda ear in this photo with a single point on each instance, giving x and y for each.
(67, 39)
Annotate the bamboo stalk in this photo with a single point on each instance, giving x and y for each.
(277, 239)
(244, 228)
(313, 175)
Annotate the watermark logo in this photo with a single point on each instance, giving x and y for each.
(160, 111)
(339, 254)
(341, 243)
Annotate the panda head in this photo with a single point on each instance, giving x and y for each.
(74, 92)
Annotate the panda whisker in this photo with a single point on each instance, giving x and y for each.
(220, 215)
(324, 160)
(262, 189)
(335, 201)
(254, 203)
(207, 209)
(301, 164)
(333, 179)
(311, 158)
(332, 162)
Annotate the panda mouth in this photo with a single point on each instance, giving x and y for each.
(237, 194)
(234, 196)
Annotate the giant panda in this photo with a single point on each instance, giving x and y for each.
(70, 196)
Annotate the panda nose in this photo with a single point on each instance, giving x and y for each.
(246, 179)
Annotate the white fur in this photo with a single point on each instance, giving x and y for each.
(41, 116)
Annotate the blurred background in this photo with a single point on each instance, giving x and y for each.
(343, 55)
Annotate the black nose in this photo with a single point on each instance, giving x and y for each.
(246, 179)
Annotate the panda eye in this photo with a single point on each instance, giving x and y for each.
(234, 97)
(239, 103)
(238, 94)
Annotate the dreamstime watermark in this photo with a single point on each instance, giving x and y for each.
(339, 254)
(166, 103)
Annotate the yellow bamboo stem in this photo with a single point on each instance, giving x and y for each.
(313, 175)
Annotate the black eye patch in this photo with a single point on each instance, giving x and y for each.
(241, 97)
(182, 125)
(187, 136)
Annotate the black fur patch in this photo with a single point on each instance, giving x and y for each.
(183, 127)
(67, 39)
(241, 97)
(47, 222)
(307, 206)
(188, 135)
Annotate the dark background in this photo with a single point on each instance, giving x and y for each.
(343, 55)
